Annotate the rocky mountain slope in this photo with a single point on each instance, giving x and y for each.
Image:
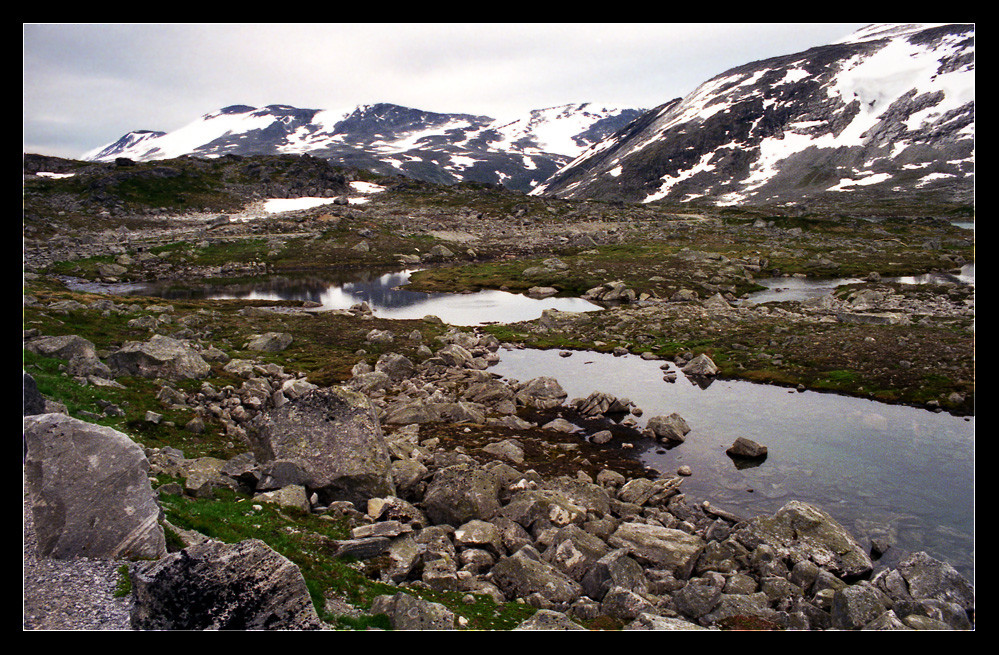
(390, 140)
(887, 112)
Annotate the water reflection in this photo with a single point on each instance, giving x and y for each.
(387, 296)
(801, 289)
(879, 469)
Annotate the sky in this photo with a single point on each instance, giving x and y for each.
(88, 84)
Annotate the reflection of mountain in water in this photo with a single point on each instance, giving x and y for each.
(385, 294)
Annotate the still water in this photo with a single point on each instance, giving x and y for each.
(800, 289)
(881, 470)
(387, 296)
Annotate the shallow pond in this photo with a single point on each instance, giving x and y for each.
(799, 288)
(879, 469)
(385, 293)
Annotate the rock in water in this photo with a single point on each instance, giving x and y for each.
(333, 434)
(743, 447)
(218, 586)
(90, 491)
(702, 365)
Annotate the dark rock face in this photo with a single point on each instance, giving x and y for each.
(803, 126)
(34, 403)
(217, 586)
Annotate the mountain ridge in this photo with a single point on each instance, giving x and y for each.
(390, 139)
(887, 110)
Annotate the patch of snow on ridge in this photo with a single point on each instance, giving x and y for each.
(203, 131)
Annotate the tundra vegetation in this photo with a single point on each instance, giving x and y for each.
(685, 268)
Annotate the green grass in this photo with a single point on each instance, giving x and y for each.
(305, 539)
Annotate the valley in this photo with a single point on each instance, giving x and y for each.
(667, 284)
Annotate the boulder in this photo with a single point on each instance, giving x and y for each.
(407, 612)
(614, 569)
(218, 586)
(928, 578)
(799, 531)
(160, 357)
(549, 620)
(34, 402)
(662, 548)
(746, 448)
(270, 342)
(89, 490)
(541, 393)
(524, 574)
(700, 366)
(670, 428)
(461, 493)
(65, 347)
(333, 434)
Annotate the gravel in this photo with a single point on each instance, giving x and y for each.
(70, 594)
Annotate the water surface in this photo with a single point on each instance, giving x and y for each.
(879, 469)
(385, 293)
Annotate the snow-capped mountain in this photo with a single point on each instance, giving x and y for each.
(888, 112)
(390, 139)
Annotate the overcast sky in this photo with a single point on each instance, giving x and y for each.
(86, 85)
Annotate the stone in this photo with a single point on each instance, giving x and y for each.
(670, 428)
(659, 547)
(702, 365)
(747, 448)
(614, 569)
(218, 586)
(541, 393)
(62, 347)
(802, 531)
(507, 449)
(89, 491)
(460, 493)
(270, 342)
(34, 402)
(524, 573)
(159, 357)
(929, 578)
(333, 434)
(545, 619)
(855, 606)
(407, 612)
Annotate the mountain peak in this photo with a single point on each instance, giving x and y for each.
(887, 111)
(391, 139)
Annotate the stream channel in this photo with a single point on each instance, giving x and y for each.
(893, 471)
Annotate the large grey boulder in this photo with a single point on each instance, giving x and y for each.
(615, 569)
(662, 548)
(333, 434)
(923, 577)
(549, 620)
(702, 365)
(407, 612)
(65, 346)
(671, 429)
(525, 574)
(461, 493)
(218, 586)
(269, 342)
(90, 492)
(160, 357)
(799, 531)
(541, 393)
